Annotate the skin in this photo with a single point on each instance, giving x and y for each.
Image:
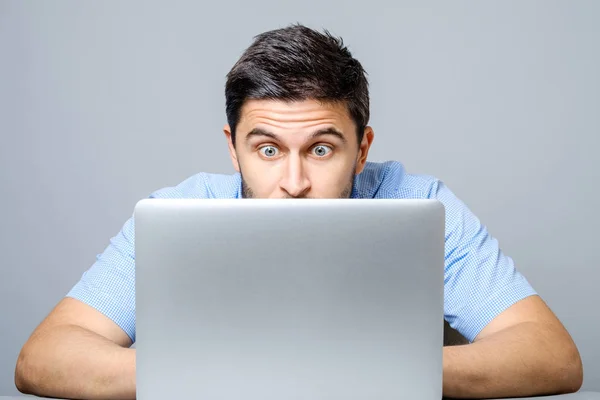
(302, 149)
(77, 352)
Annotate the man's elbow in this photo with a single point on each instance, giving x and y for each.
(571, 372)
(21, 376)
(25, 375)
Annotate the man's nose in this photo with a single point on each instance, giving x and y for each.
(295, 180)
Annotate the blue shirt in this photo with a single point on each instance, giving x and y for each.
(480, 281)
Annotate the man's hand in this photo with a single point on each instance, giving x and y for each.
(525, 351)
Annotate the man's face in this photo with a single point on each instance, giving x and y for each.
(304, 149)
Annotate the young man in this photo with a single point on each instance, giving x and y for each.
(297, 106)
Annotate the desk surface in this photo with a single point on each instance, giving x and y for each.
(574, 396)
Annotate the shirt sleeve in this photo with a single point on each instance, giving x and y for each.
(109, 284)
(480, 281)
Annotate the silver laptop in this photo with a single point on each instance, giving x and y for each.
(289, 299)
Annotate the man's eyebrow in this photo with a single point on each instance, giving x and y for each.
(329, 131)
(256, 132)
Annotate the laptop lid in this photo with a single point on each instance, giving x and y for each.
(289, 299)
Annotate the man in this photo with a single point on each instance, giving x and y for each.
(297, 106)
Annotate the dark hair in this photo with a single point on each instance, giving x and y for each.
(298, 63)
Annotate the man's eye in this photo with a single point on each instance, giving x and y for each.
(269, 151)
(321, 150)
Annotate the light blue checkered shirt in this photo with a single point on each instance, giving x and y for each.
(480, 281)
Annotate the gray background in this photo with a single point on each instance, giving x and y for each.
(102, 103)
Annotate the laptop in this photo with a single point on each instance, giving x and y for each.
(291, 299)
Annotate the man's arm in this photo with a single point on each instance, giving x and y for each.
(524, 351)
(518, 347)
(78, 353)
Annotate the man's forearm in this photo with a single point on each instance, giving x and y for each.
(523, 360)
(72, 362)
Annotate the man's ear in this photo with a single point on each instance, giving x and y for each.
(231, 146)
(363, 150)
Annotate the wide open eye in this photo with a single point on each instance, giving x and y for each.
(321, 150)
(269, 151)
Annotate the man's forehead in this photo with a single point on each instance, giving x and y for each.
(294, 110)
(299, 115)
